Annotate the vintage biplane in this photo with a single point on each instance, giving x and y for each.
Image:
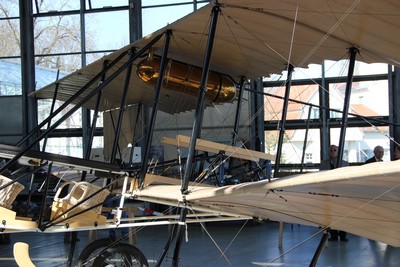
(202, 60)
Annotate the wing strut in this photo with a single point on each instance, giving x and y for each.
(195, 134)
(121, 108)
(237, 118)
(321, 245)
(283, 120)
(305, 139)
(163, 64)
(53, 103)
(94, 123)
(349, 82)
(237, 114)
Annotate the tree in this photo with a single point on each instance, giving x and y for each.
(52, 35)
(9, 29)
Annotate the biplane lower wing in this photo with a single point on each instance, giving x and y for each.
(362, 200)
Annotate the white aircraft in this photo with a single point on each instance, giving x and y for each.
(216, 47)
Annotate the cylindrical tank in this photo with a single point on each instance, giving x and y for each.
(185, 78)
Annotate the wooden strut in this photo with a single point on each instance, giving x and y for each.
(213, 147)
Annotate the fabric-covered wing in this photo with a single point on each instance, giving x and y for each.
(363, 200)
(256, 38)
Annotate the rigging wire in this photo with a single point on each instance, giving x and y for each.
(214, 241)
(331, 30)
(292, 39)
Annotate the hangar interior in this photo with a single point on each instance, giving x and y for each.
(44, 41)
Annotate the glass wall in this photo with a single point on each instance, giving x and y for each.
(67, 37)
(368, 121)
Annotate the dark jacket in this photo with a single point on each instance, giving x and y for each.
(373, 159)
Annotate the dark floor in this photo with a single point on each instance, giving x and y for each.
(252, 244)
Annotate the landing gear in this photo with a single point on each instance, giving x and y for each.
(106, 252)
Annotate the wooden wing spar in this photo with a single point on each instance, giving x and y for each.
(213, 147)
(253, 39)
(362, 200)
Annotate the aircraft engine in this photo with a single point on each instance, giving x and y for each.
(186, 79)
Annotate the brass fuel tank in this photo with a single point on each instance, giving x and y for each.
(185, 78)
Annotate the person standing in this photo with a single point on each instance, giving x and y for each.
(378, 155)
(329, 164)
(396, 154)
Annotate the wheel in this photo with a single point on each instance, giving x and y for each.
(121, 255)
(91, 251)
(106, 252)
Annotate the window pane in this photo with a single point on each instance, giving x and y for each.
(98, 141)
(106, 3)
(99, 122)
(51, 5)
(305, 93)
(108, 30)
(67, 146)
(9, 38)
(44, 108)
(9, 8)
(10, 77)
(67, 63)
(162, 2)
(292, 148)
(363, 100)
(45, 76)
(199, 5)
(360, 142)
(174, 12)
(340, 68)
(271, 142)
(57, 34)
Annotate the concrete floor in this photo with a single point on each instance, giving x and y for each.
(243, 244)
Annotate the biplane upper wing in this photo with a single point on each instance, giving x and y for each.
(363, 200)
(253, 39)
